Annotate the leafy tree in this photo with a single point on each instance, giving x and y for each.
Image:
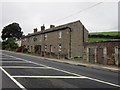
(12, 31)
(9, 44)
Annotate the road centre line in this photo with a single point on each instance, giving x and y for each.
(101, 81)
(14, 80)
(47, 77)
(25, 67)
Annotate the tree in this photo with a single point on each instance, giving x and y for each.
(12, 31)
(9, 44)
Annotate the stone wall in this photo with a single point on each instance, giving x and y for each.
(107, 52)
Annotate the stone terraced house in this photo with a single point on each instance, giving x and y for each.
(64, 41)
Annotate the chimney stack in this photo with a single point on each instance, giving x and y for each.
(35, 30)
(42, 27)
(52, 26)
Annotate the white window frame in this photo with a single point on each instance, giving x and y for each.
(40, 37)
(51, 48)
(45, 47)
(60, 34)
(59, 47)
(45, 37)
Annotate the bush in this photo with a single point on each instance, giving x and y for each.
(19, 49)
(9, 44)
(25, 50)
(22, 49)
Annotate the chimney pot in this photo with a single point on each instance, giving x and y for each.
(52, 26)
(35, 30)
(42, 27)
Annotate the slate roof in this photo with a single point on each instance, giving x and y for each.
(61, 27)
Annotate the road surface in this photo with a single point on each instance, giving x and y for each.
(25, 71)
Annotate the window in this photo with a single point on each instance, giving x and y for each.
(60, 35)
(40, 37)
(34, 39)
(51, 48)
(28, 39)
(45, 47)
(28, 47)
(59, 47)
(45, 37)
(31, 38)
(25, 39)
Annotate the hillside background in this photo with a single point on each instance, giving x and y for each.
(104, 36)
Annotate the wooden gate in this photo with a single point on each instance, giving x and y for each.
(92, 55)
(100, 56)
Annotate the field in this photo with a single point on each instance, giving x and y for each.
(101, 39)
(116, 33)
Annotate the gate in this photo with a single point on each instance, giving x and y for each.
(100, 56)
(92, 55)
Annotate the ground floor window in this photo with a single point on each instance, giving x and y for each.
(51, 48)
(59, 47)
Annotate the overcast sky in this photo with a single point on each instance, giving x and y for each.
(95, 16)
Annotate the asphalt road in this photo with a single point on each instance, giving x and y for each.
(25, 71)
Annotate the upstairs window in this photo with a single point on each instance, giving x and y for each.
(60, 35)
(34, 39)
(45, 47)
(45, 37)
(28, 40)
(40, 37)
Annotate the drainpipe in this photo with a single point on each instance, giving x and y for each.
(70, 30)
(83, 34)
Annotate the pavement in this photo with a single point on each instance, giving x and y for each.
(82, 63)
(99, 66)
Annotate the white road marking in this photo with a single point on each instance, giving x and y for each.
(8, 58)
(25, 67)
(48, 77)
(14, 80)
(12, 62)
(26, 60)
(71, 73)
